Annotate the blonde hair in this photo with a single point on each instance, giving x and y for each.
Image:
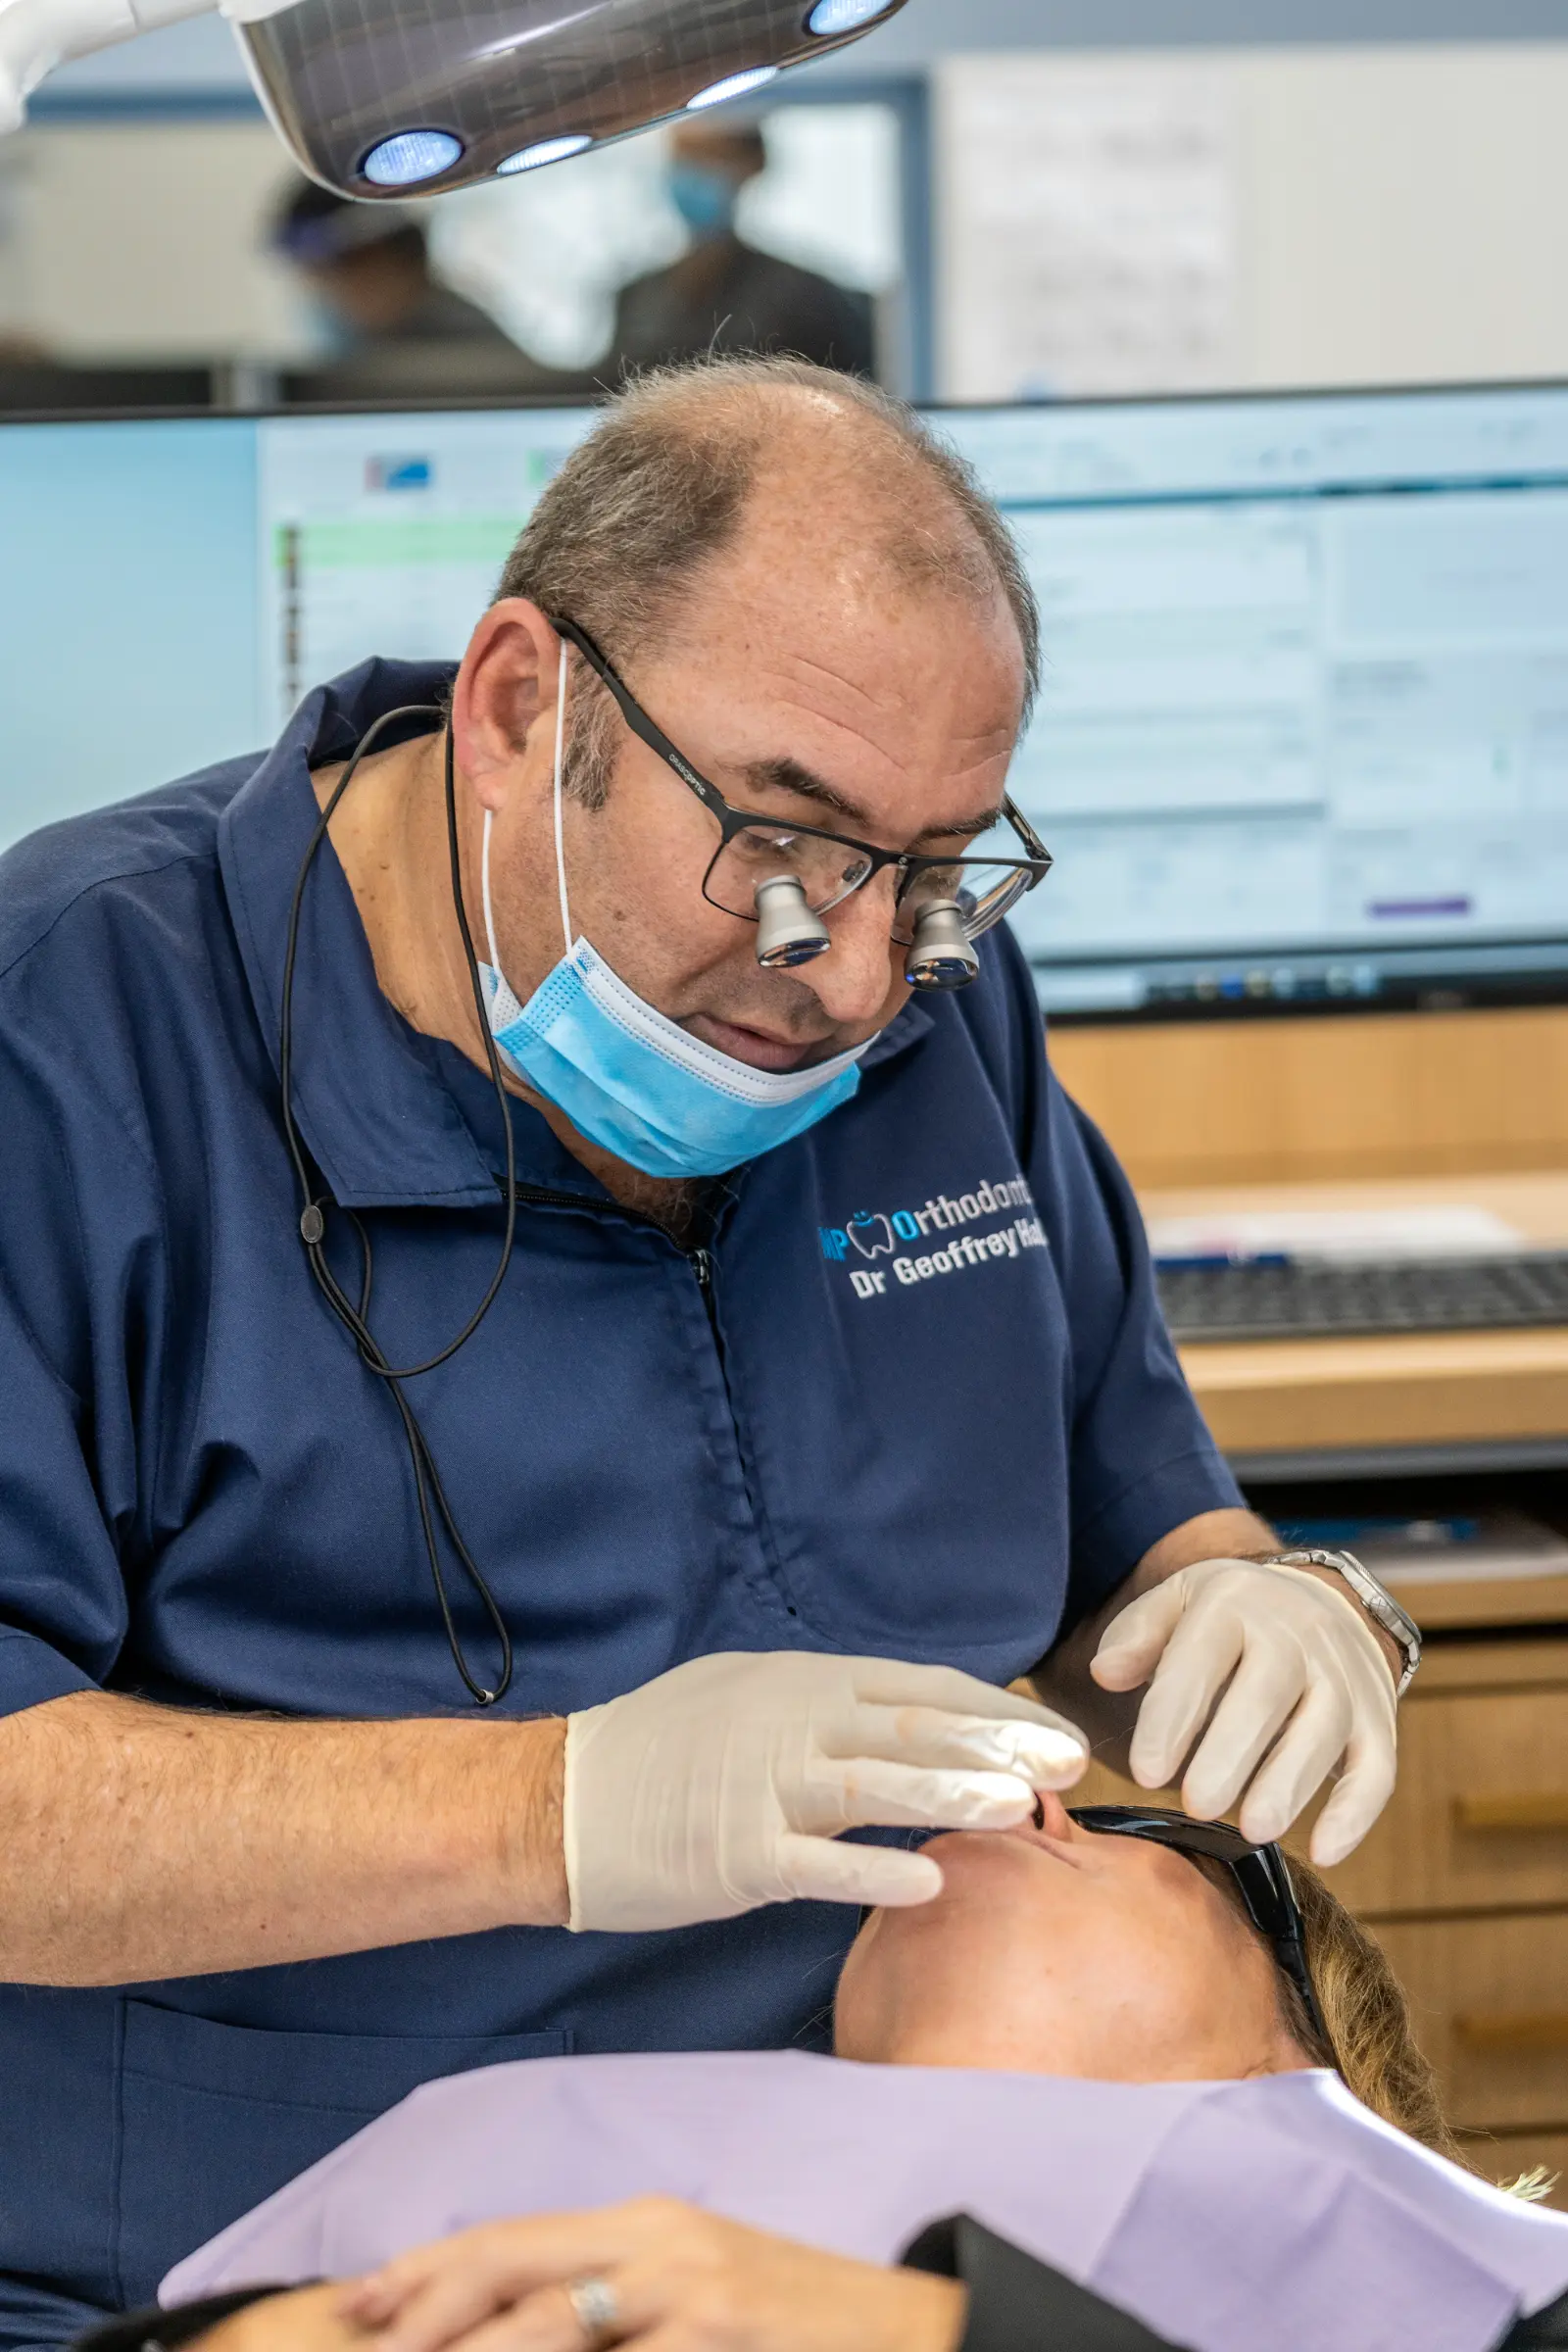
(1371, 2039)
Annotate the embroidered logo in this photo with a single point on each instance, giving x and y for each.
(873, 1234)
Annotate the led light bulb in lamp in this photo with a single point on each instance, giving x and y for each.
(374, 97)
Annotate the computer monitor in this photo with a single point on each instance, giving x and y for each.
(1302, 737)
(169, 587)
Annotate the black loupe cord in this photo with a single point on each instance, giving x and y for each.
(354, 1317)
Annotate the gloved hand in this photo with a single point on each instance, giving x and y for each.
(721, 1785)
(1308, 1685)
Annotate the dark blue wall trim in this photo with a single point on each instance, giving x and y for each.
(136, 105)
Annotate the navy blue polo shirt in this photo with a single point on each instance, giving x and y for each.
(926, 1406)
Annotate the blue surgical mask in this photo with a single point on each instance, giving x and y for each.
(704, 198)
(627, 1077)
(332, 335)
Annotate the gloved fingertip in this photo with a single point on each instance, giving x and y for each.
(1063, 1775)
(995, 1800)
(918, 1879)
(1332, 1841)
(1050, 1760)
(1120, 1669)
(1048, 1755)
(1149, 1759)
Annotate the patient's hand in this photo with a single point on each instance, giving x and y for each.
(698, 2283)
(306, 2319)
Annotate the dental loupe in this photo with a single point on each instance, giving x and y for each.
(379, 98)
(940, 955)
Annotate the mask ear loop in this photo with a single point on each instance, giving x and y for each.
(561, 760)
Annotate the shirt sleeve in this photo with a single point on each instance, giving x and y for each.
(1142, 1459)
(77, 1351)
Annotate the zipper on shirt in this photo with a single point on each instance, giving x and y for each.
(701, 1262)
(699, 1259)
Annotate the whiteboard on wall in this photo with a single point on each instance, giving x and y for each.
(1156, 221)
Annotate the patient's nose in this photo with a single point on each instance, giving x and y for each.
(1051, 1814)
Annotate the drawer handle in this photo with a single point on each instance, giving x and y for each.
(1497, 2029)
(1545, 1809)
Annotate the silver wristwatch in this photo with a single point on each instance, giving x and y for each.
(1380, 1605)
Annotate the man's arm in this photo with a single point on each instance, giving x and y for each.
(143, 1843)
(1062, 1677)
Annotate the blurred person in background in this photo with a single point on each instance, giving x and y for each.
(393, 329)
(724, 294)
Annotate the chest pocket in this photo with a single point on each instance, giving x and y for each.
(214, 2118)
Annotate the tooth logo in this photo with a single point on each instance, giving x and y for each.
(871, 1235)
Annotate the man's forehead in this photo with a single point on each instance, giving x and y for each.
(849, 721)
(844, 625)
(840, 552)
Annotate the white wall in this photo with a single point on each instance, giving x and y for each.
(1404, 213)
(132, 238)
(1393, 213)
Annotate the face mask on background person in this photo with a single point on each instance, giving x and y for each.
(704, 197)
(627, 1077)
(332, 336)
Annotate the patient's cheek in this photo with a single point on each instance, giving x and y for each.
(854, 2007)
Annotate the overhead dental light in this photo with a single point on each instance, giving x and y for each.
(408, 157)
(733, 85)
(830, 17)
(374, 97)
(545, 151)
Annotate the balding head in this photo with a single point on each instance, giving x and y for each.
(792, 463)
(809, 596)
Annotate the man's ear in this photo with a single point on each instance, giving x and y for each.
(505, 696)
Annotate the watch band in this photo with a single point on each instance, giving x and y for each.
(1379, 1604)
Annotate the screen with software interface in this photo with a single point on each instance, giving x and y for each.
(1302, 731)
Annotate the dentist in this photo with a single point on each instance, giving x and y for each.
(523, 1285)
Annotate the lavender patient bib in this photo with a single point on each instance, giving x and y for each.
(1230, 2216)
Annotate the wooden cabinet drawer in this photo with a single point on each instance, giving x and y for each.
(1480, 1813)
(1490, 2003)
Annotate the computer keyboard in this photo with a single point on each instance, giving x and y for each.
(1316, 1297)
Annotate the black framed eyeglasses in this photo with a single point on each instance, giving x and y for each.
(829, 866)
(1260, 1873)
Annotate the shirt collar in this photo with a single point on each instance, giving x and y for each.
(371, 1095)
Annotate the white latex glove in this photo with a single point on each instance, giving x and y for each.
(723, 1784)
(1304, 1684)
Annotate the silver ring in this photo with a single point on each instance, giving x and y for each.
(596, 2307)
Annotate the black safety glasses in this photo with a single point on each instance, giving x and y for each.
(828, 867)
(1260, 1873)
